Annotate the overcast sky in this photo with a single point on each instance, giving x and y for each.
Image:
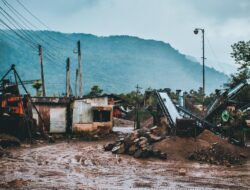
(172, 21)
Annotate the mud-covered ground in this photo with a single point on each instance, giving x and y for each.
(85, 165)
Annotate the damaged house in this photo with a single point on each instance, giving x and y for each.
(80, 116)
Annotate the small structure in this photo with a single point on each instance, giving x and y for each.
(55, 112)
(92, 115)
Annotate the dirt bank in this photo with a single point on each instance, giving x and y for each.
(179, 148)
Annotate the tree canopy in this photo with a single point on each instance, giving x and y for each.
(95, 91)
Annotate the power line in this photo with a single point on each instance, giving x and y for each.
(29, 36)
(20, 36)
(16, 25)
(215, 55)
(40, 21)
(25, 21)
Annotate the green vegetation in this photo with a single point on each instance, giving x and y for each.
(37, 85)
(241, 55)
(95, 91)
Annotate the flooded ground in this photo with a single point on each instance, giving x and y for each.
(85, 165)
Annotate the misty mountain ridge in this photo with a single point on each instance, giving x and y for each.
(115, 63)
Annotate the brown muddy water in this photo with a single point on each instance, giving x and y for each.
(85, 165)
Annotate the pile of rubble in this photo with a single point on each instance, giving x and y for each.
(218, 155)
(138, 144)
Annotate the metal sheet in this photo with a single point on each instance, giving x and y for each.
(82, 112)
(58, 120)
(101, 101)
(44, 111)
(174, 114)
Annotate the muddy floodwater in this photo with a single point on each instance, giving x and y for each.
(85, 165)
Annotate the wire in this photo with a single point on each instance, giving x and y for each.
(41, 22)
(25, 22)
(20, 36)
(215, 55)
(23, 30)
(17, 25)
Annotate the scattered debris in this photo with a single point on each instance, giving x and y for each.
(138, 143)
(16, 183)
(25, 145)
(182, 172)
(216, 154)
(8, 141)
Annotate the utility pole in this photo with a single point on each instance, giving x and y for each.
(67, 77)
(196, 31)
(79, 69)
(40, 51)
(203, 69)
(76, 84)
(137, 119)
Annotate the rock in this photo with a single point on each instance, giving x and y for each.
(138, 153)
(115, 149)
(153, 128)
(163, 156)
(78, 158)
(132, 149)
(87, 162)
(109, 146)
(120, 149)
(154, 138)
(136, 140)
(182, 172)
(25, 145)
(243, 155)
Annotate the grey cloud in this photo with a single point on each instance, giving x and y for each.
(222, 9)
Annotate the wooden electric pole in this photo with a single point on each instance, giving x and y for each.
(76, 84)
(80, 82)
(68, 77)
(42, 74)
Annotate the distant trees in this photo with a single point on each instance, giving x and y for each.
(241, 55)
(132, 98)
(37, 85)
(95, 91)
